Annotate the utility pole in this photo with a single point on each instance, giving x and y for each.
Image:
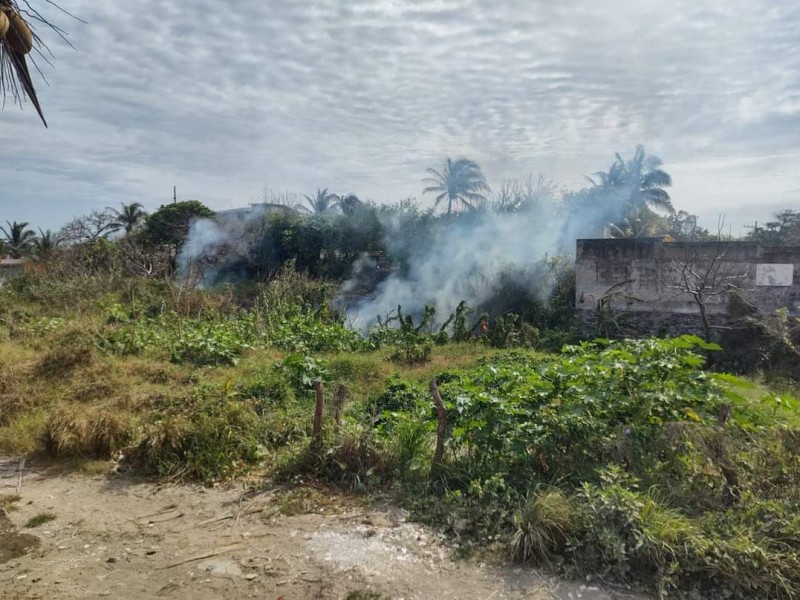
(174, 194)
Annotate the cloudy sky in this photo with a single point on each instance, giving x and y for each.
(224, 98)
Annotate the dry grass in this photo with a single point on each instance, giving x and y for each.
(80, 430)
(62, 361)
(8, 502)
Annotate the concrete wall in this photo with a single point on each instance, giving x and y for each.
(646, 280)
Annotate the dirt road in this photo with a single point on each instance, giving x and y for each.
(114, 537)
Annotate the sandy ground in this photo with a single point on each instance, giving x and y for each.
(115, 537)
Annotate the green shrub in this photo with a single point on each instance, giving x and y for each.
(210, 440)
(543, 526)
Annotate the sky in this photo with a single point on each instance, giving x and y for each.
(225, 99)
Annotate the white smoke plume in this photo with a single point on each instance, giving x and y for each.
(463, 263)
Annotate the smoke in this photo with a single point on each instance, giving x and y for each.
(471, 257)
(210, 245)
(462, 262)
(205, 236)
(438, 261)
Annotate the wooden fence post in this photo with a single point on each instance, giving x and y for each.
(441, 428)
(316, 434)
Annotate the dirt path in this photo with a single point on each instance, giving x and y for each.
(113, 537)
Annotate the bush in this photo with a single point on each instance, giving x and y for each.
(544, 524)
(210, 440)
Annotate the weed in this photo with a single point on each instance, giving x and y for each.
(8, 502)
(79, 430)
(211, 440)
(39, 520)
(544, 524)
(62, 361)
(364, 595)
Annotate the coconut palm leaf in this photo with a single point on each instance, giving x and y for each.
(18, 237)
(128, 216)
(16, 47)
(461, 182)
(321, 202)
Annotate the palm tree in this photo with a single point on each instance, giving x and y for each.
(350, 204)
(45, 244)
(129, 216)
(322, 202)
(18, 238)
(640, 181)
(649, 181)
(461, 181)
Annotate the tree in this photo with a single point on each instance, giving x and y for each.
(18, 238)
(98, 224)
(350, 204)
(637, 224)
(15, 48)
(534, 192)
(460, 182)
(637, 183)
(129, 216)
(706, 274)
(321, 202)
(170, 223)
(682, 226)
(783, 231)
(45, 244)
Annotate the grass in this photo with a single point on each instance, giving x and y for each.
(8, 502)
(39, 520)
(532, 437)
(543, 526)
(364, 595)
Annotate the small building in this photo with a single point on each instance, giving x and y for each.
(655, 286)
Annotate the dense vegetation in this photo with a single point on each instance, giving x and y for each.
(622, 460)
(625, 461)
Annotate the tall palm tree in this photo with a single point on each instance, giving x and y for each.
(640, 182)
(18, 238)
(461, 182)
(350, 204)
(129, 216)
(321, 202)
(45, 244)
(649, 181)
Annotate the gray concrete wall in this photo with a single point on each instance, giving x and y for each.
(650, 278)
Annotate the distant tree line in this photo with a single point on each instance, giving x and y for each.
(326, 233)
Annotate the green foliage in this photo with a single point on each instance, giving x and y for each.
(169, 225)
(205, 440)
(211, 344)
(598, 403)
(302, 370)
(543, 526)
(610, 460)
(398, 395)
(783, 231)
(39, 519)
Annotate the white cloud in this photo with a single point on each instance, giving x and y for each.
(363, 95)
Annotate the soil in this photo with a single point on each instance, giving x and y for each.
(117, 537)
